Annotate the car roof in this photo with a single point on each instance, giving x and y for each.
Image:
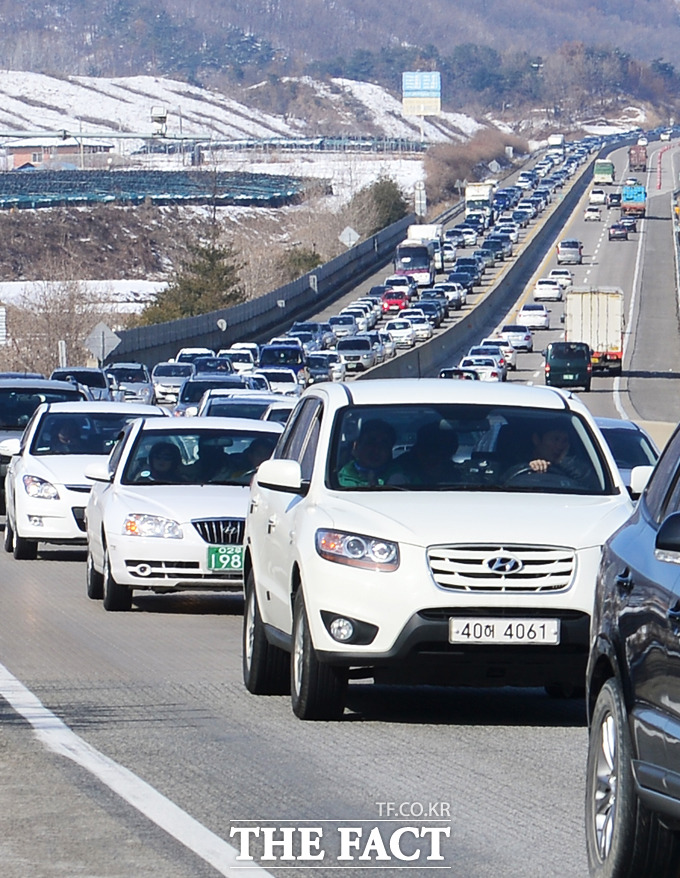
(182, 425)
(95, 407)
(126, 366)
(36, 384)
(223, 394)
(417, 390)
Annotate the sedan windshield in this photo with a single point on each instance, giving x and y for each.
(73, 433)
(197, 457)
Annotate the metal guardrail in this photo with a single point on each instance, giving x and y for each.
(428, 358)
(260, 318)
(271, 314)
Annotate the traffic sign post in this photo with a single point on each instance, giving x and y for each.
(101, 342)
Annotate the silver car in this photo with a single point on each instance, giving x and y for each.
(168, 378)
(357, 353)
(135, 382)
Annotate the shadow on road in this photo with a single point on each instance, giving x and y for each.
(433, 705)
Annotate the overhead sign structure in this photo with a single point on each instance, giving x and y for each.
(421, 93)
(102, 341)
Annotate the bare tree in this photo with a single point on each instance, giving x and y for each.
(49, 312)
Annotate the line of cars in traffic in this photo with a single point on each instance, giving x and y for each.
(174, 505)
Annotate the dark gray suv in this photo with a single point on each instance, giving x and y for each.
(633, 688)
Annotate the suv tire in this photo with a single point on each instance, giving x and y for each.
(266, 668)
(317, 690)
(623, 838)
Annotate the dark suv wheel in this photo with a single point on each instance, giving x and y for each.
(623, 838)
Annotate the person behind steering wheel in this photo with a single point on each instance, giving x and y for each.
(551, 451)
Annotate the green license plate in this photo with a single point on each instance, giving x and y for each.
(225, 557)
(568, 377)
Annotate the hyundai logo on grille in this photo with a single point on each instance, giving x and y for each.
(504, 564)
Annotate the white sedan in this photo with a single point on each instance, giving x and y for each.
(402, 332)
(547, 289)
(281, 380)
(422, 327)
(486, 368)
(45, 484)
(534, 316)
(167, 509)
(563, 276)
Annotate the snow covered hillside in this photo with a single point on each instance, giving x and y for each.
(31, 102)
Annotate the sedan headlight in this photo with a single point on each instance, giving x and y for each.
(39, 488)
(142, 525)
(357, 550)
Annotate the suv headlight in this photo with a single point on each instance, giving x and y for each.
(357, 550)
(39, 488)
(142, 525)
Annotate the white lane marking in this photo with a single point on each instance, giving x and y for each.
(628, 329)
(57, 736)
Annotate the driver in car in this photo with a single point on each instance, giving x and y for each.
(552, 450)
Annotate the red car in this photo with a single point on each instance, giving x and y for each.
(394, 301)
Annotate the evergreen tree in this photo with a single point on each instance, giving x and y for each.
(207, 281)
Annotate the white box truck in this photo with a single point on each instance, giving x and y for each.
(594, 315)
(556, 145)
(479, 198)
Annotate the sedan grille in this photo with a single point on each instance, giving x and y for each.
(502, 569)
(221, 531)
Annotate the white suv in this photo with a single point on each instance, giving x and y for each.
(420, 531)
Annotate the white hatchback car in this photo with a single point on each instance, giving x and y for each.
(45, 485)
(166, 511)
(457, 562)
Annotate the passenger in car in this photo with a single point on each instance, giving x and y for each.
(371, 462)
(66, 438)
(165, 465)
(430, 460)
(247, 461)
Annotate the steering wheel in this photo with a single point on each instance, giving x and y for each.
(524, 475)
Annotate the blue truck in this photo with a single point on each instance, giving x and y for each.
(633, 201)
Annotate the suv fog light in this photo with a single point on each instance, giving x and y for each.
(35, 520)
(341, 629)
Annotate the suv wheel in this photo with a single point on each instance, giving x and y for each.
(317, 690)
(623, 838)
(265, 667)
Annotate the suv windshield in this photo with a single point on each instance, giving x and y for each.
(124, 375)
(82, 376)
(466, 448)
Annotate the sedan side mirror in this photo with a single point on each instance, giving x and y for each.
(98, 472)
(10, 447)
